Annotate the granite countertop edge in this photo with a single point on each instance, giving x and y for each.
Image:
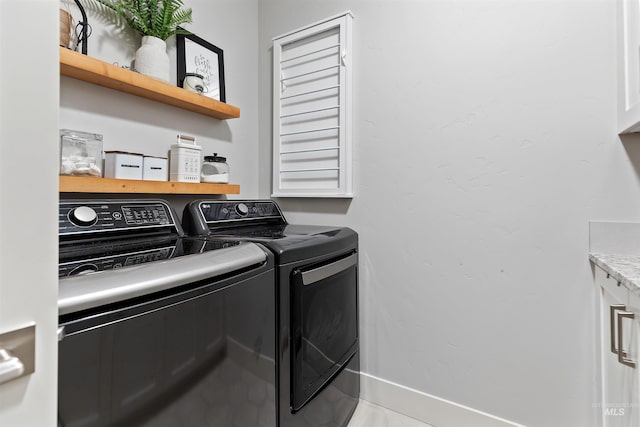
(623, 268)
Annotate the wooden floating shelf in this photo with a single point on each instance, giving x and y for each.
(81, 184)
(92, 70)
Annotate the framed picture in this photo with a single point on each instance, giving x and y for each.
(198, 56)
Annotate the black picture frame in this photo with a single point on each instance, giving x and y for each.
(196, 55)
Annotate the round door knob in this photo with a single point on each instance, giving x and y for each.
(242, 209)
(83, 216)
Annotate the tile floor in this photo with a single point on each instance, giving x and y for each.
(370, 415)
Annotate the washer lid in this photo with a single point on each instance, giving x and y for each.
(82, 292)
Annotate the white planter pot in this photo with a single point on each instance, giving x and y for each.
(152, 59)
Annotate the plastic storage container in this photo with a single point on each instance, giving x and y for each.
(80, 153)
(155, 168)
(184, 164)
(215, 169)
(122, 165)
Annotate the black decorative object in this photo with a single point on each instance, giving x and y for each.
(198, 56)
(84, 36)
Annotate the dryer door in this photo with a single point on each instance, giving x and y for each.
(324, 315)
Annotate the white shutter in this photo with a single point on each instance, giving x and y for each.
(312, 110)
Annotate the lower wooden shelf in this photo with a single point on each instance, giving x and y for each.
(81, 184)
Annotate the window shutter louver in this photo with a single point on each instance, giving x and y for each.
(312, 110)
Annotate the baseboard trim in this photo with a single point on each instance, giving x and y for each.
(425, 407)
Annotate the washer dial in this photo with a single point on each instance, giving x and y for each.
(83, 216)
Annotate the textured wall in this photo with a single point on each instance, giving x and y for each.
(485, 141)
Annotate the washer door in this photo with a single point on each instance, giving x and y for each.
(324, 315)
(193, 357)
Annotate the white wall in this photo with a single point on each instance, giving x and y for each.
(485, 141)
(28, 201)
(129, 123)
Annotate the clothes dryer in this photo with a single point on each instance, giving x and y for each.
(317, 305)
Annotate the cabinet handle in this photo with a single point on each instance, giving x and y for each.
(612, 324)
(622, 355)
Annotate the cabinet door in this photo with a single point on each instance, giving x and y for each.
(628, 66)
(613, 372)
(632, 381)
(28, 240)
(619, 333)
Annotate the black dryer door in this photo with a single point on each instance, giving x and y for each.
(324, 315)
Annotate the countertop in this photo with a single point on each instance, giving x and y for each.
(624, 268)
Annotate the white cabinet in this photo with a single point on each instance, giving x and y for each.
(632, 382)
(619, 333)
(628, 42)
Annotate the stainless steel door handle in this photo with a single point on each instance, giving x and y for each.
(612, 325)
(10, 366)
(622, 355)
(17, 353)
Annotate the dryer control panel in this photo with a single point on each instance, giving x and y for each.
(225, 210)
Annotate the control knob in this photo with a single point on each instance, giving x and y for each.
(242, 209)
(83, 216)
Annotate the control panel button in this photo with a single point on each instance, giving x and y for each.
(242, 209)
(83, 216)
(143, 215)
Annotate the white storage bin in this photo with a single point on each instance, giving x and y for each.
(122, 165)
(155, 168)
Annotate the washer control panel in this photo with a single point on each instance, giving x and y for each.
(226, 210)
(96, 216)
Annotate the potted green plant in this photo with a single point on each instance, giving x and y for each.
(155, 21)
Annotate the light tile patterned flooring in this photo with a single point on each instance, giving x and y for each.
(370, 415)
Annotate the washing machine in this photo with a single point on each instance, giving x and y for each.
(157, 329)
